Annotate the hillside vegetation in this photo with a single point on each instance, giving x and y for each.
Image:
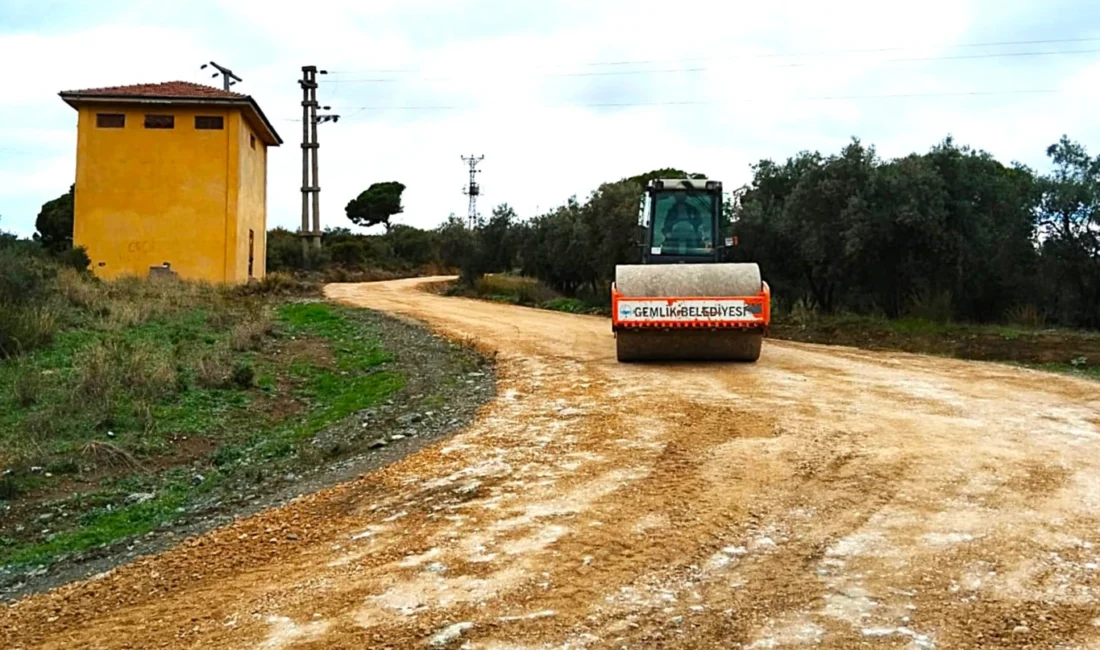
(949, 235)
(126, 406)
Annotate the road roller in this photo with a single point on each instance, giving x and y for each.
(686, 300)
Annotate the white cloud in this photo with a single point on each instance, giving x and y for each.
(497, 58)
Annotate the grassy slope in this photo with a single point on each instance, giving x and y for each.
(1056, 350)
(136, 412)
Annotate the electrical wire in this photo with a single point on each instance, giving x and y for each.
(615, 73)
(771, 55)
(700, 102)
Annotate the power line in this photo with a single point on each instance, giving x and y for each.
(700, 102)
(616, 73)
(770, 55)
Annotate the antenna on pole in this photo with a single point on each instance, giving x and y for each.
(473, 190)
(228, 78)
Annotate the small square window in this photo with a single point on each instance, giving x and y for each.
(209, 122)
(160, 122)
(252, 141)
(110, 120)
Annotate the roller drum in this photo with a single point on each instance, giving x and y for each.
(688, 281)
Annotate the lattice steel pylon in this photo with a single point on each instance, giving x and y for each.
(473, 190)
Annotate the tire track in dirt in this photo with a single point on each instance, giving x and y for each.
(825, 496)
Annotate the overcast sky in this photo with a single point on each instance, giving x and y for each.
(562, 95)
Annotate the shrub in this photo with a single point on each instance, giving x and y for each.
(27, 384)
(931, 306)
(24, 277)
(350, 253)
(81, 290)
(250, 332)
(214, 367)
(74, 258)
(244, 375)
(25, 327)
(1028, 316)
(146, 372)
(276, 283)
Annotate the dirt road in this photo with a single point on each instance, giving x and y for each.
(823, 497)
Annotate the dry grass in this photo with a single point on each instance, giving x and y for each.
(214, 367)
(79, 290)
(145, 371)
(27, 384)
(93, 371)
(278, 284)
(1028, 316)
(526, 291)
(249, 333)
(24, 328)
(105, 454)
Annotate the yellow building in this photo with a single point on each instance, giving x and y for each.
(171, 174)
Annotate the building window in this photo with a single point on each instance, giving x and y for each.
(110, 120)
(160, 122)
(252, 141)
(209, 122)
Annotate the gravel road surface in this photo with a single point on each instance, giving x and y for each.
(823, 497)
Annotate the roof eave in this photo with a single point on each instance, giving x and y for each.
(272, 139)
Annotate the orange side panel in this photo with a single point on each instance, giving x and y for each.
(740, 312)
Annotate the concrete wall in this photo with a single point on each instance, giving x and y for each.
(148, 196)
(251, 202)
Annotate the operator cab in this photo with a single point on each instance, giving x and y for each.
(681, 222)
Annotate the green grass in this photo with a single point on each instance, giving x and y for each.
(102, 526)
(347, 374)
(1086, 372)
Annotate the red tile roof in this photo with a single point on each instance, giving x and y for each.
(180, 89)
(185, 91)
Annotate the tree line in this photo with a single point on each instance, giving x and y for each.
(948, 234)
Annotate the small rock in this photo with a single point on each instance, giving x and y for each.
(763, 542)
(36, 469)
(381, 442)
(45, 516)
(397, 436)
(140, 497)
(290, 477)
(450, 634)
(676, 620)
(437, 567)
(292, 537)
(110, 434)
(197, 479)
(1021, 629)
